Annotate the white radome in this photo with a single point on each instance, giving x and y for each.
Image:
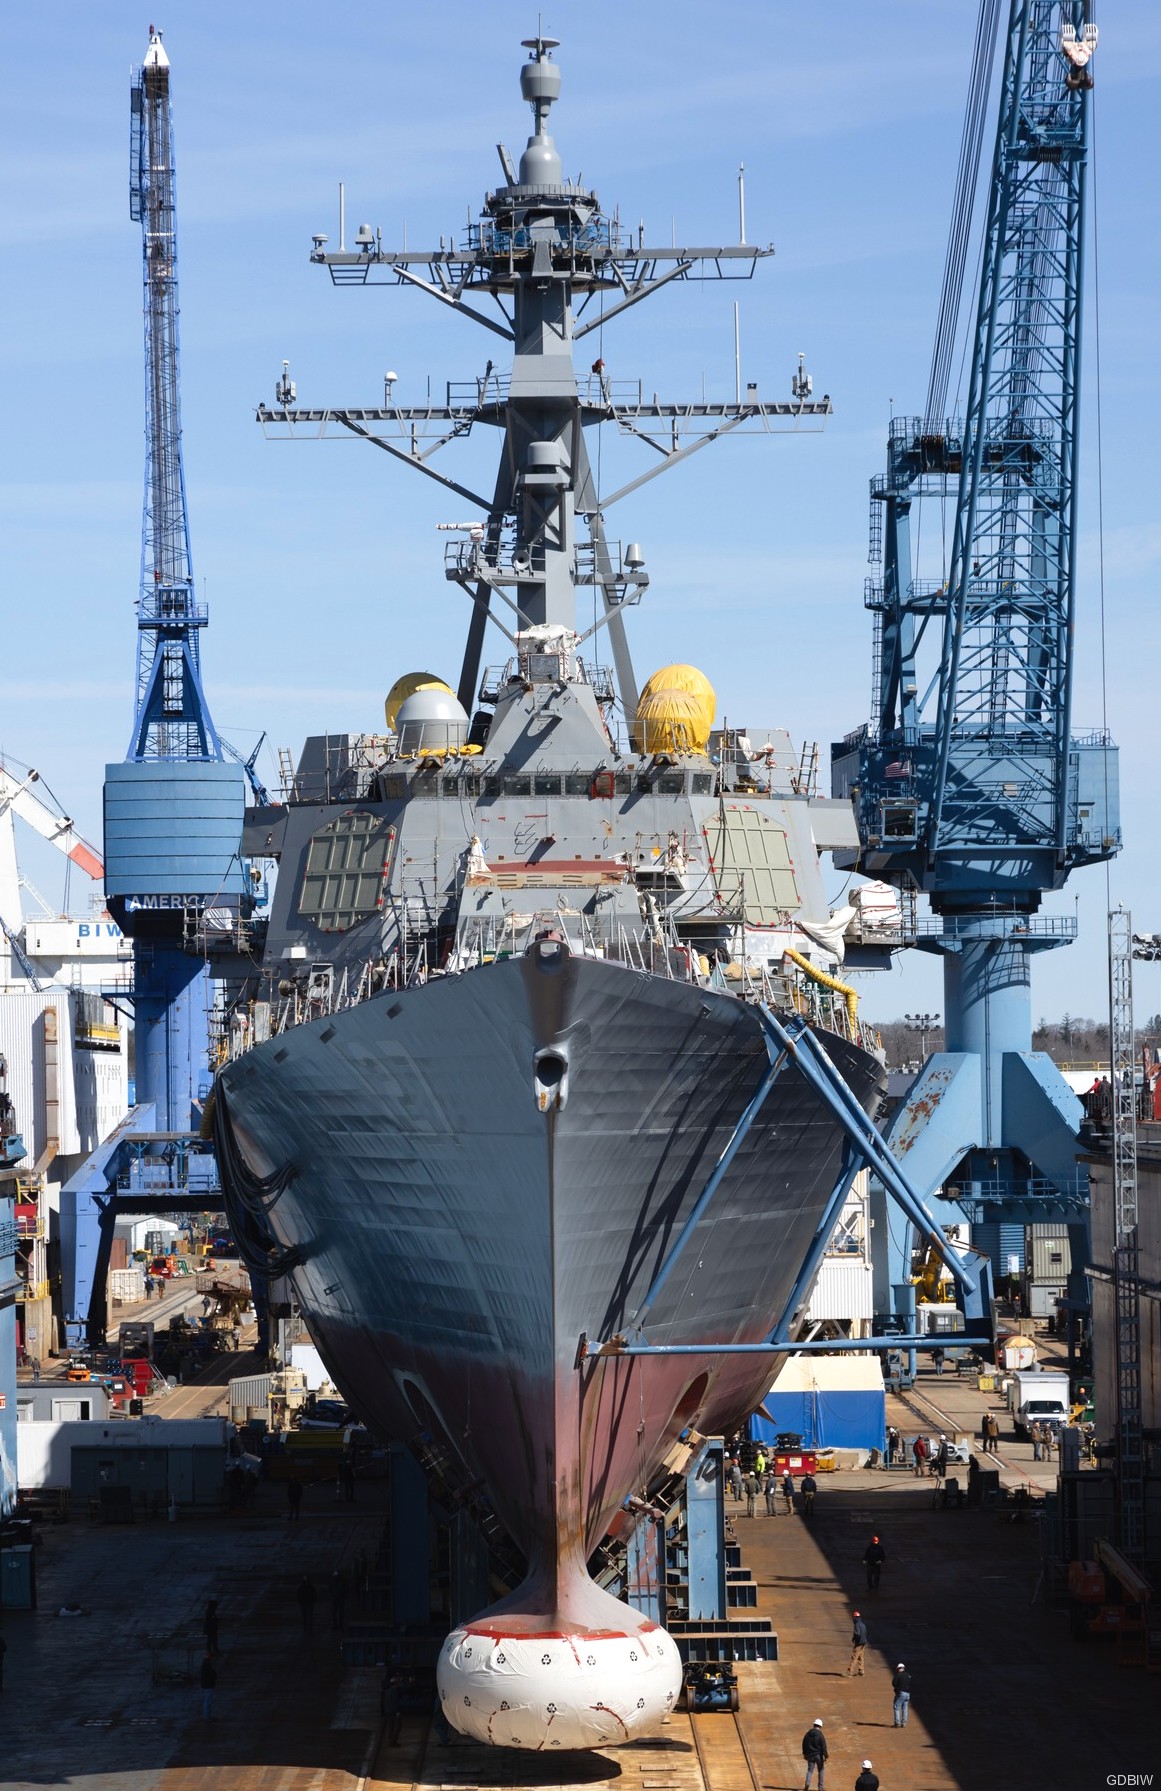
(557, 1690)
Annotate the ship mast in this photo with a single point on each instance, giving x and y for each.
(542, 256)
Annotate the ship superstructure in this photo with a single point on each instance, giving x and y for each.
(511, 1022)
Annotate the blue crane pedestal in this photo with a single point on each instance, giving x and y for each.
(171, 1004)
(989, 1120)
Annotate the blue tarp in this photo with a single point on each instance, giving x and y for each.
(826, 1420)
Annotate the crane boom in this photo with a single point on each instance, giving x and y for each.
(172, 719)
(18, 797)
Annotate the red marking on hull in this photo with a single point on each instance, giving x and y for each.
(499, 1632)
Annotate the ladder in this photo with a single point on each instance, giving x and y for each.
(286, 773)
(1126, 1272)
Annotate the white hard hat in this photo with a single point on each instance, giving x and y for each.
(867, 1765)
(818, 1722)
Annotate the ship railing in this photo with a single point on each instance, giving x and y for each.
(318, 993)
(489, 238)
(825, 1008)
(492, 939)
(657, 954)
(757, 762)
(492, 389)
(235, 1030)
(571, 667)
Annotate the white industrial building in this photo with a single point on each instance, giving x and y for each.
(63, 1044)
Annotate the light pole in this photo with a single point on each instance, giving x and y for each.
(922, 1024)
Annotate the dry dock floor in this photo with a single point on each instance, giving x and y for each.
(1003, 1699)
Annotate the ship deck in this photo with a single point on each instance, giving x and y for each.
(1002, 1697)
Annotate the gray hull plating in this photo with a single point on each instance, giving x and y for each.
(453, 1241)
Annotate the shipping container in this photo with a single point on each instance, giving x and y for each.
(833, 1402)
(126, 1286)
(138, 1230)
(249, 1397)
(1049, 1259)
(844, 1290)
(1041, 1298)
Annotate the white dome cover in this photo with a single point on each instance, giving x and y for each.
(430, 705)
(559, 1689)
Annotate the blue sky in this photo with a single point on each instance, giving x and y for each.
(321, 563)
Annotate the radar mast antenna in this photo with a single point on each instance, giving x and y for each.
(543, 252)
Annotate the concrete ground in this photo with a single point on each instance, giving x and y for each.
(204, 1394)
(1003, 1700)
(108, 1701)
(954, 1405)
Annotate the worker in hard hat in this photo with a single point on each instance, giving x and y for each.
(815, 1752)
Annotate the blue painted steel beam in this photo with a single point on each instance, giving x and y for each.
(705, 1512)
(737, 1139)
(834, 1346)
(91, 1202)
(967, 1268)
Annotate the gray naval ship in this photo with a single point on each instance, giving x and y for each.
(510, 1013)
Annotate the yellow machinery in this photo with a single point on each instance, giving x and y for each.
(932, 1289)
(849, 995)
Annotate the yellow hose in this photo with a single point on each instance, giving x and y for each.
(828, 982)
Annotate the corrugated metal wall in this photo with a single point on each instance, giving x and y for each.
(173, 829)
(1001, 1243)
(1049, 1258)
(22, 1042)
(844, 1290)
(92, 1085)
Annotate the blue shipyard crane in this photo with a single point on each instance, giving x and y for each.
(969, 783)
(173, 810)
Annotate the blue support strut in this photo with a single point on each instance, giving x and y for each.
(793, 1041)
(820, 1346)
(778, 1061)
(968, 1268)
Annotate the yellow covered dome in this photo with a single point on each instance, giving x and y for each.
(405, 687)
(691, 683)
(671, 721)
